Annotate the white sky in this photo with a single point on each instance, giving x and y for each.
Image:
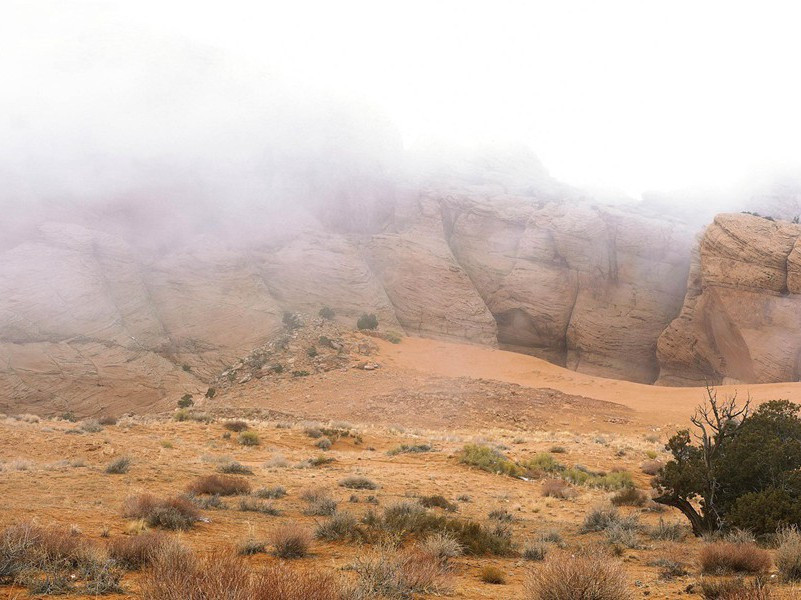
(632, 95)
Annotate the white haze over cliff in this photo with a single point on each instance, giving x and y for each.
(113, 96)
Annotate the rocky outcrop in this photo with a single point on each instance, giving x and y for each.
(740, 318)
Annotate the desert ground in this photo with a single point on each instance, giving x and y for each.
(376, 397)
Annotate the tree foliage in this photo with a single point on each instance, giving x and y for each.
(737, 467)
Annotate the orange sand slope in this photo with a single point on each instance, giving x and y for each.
(654, 404)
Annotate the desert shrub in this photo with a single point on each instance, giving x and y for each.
(668, 532)
(618, 534)
(558, 488)
(788, 554)
(278, 461)
(280, 582)
(211, 392)
(600, 518)
(501, 514)
(341, 526)
(396, 575)
(441, 546)
(233, 467)
(607, 481)
(393, 337)
(356, 482)
(292, 320)
(651, 467)
(250, 547)
(324, 444)
(275, 492)
(543, 462)
(578, 577)
(207, 502)
(734, 589)
(168, 513)
(186, 401)
(558, 450)
(236, 426)
(731, 557)
(290, 541)
(488, 459)
(107, 421)
(409, 449)
(669, 568)
(119, 466)
(367, 321)
(249, 438)
(535, 550)
(311, 351)
(91, 426)
(491, 574)
(629, 497)
(133, 552)
(327, 313)
(16, 543)
(254, 505)
(552, 536)
(437, 502)
(219, 485)
(321, 507)
(408, 519)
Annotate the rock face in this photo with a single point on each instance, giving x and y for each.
(740, 319)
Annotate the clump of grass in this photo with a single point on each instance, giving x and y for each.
(629, 496)
(341, 526)
(319, 503)
(119, 466)
(249, 438)
(236, 426)
(601, 518)
(274, 493)
(535, 550)
(410, 449)
(582, 576)
(233, 467)
(254, 505)
(441, 546)
(437, 502)
(607, 481)
(290, 541)
(219, 485)
(488, 459)
(133, 552)
(788, 554)
(493, 575)
(734, 589)
(669, 568)
(356, 482)
(668, 532)
(207, 502)
(250, 547)
(501, 514)
(557, 450)
(324, 444)
(168, 513)
(620, 535)
(731, 557)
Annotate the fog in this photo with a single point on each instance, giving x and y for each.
(224, 113)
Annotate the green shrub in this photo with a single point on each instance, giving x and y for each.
(367, 321)
(211, 392)
(327, 313)
(488, 459)
(543, 461)
(186, 401)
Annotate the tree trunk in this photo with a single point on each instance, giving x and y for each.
(696, 521)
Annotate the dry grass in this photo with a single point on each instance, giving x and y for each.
(734, 589)
(651, 467)
(133, 552)
(219, 485)
(393, 575)
(493, 575)
(290, 541)
(169, 513)
(578, 578)
(731, 557)
(788, 554)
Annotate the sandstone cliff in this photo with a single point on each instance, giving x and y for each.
(740, 318)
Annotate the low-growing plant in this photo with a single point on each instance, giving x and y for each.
(367, 321)
(219, 485)
(629, 496)
(341, 526)
(491, 574)
(236, 426)
(233, 467)
(731, 557)
(437, 502)
(250, 547)
(488, 459)
(356, 482)
(788, 553)
(255, 505)
(275, 492)
(290, 541)
(133, 552)
(558, 488)
(249, 438)
(651, 467)
(119, 466)
(167, 513)
(501, 514)
(441, 546)
(410, 449)
(578, 577)
(396, 575)
(668, 532)
(323, 443)
(734, 589)
(535, 550)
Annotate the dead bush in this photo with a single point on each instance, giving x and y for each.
(396, 575)
(788, 554)
(734, 589)
(341, 526)
(290, 541)
(651, 467)
(731, 557)
(280, 582)
(583, 576)
(493, 575)
(133, 552)
(629, 497)
(219, 485)
(169, 513)
(236, 426)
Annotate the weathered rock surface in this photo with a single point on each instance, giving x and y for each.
(740, 319)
